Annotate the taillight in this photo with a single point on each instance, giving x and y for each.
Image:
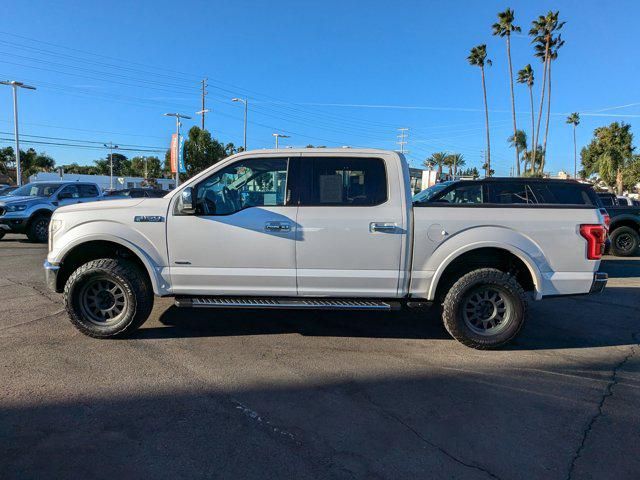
(595, 236)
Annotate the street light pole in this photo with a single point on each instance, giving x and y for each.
(178, 117)
(15, 85)
(278, 136)
(245, 101)
(111, 146)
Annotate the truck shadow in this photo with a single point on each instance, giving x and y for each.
(621, 268)
(553, 324)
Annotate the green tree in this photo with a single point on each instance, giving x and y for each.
(470, 172)
(525, 76)
(80, 169)
(609, 154)
(478, 57)
(121, 165)
(631, 173)
(519, 142)
(201, 151)
(31, 162)
(574, 119)
(454, 161)
(146, 167)
(543, 30)
(503, 28)
(437, 159)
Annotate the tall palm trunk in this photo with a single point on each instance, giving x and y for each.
(544, 87)
(513, 104)
(575, 154)
(486, 118)
(546, 128)
(533, 121)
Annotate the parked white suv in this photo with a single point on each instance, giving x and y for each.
(320, 229)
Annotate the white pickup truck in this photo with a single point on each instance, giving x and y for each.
(320, 229)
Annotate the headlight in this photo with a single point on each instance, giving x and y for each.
(16, 208)
(54, 226)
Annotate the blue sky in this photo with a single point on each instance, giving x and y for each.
(107, 71)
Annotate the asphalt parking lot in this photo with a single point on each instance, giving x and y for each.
(246, 394)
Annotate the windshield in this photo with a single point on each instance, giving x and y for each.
(36, 190)
(427, 194)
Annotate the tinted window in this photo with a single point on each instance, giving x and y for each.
(244, 184)
(510, 193)
(71, 191)
(563, 194)
(607, 199)
(88, 191)
(428, 193)
(344, 181)
(462, 194)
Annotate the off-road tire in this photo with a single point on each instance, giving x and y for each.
(457, 298)
(624, 241)
(134, 285)
(38, 229)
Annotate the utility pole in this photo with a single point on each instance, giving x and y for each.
(111, 147)
(204, 109)
(403, 139)
(279, 135)
(15, 85)
(245, 101)
(178, 124)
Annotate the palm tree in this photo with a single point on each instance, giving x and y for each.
(574, 119)
(519, 141)
(526, 76)
(438, 159)
(542, 30)
(556, 44)
(503, 28)
(454, 161)
(478, 57)
(534, 161)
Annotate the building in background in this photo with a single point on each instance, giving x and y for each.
(104, 181)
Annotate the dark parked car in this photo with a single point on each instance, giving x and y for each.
(511, 191)
(137, 193)
(624, 224)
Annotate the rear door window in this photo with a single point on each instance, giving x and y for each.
(562, 194)
(87, 191)
(343, 182)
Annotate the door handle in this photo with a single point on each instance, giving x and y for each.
(277, 227)
(382, 227)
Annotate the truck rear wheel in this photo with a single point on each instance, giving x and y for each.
(624, 241)
(485, 309)
(108, 298)
(38, 229)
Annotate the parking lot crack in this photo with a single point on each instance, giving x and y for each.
(608, 392)
(40, 291)
(426, 441)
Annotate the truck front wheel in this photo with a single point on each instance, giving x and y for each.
(108, 298)
(485, 309)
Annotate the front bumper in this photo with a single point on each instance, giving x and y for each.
(14, 225)
(51, 275)
(599, 282)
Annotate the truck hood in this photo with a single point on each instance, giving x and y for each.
(9, 199)
(103, 206)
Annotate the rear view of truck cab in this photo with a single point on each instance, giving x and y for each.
(320, 229)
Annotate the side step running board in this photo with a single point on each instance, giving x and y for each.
(278, 303)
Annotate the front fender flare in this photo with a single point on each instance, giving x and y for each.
(150, 258)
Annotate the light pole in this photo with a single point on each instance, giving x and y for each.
(245, 101)
(178, 117)
(15, 85)
(111, 147)
(279, 135)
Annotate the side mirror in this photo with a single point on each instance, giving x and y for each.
(186, 205)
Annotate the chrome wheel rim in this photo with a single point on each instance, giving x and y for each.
(486, 311)
(103, 301)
